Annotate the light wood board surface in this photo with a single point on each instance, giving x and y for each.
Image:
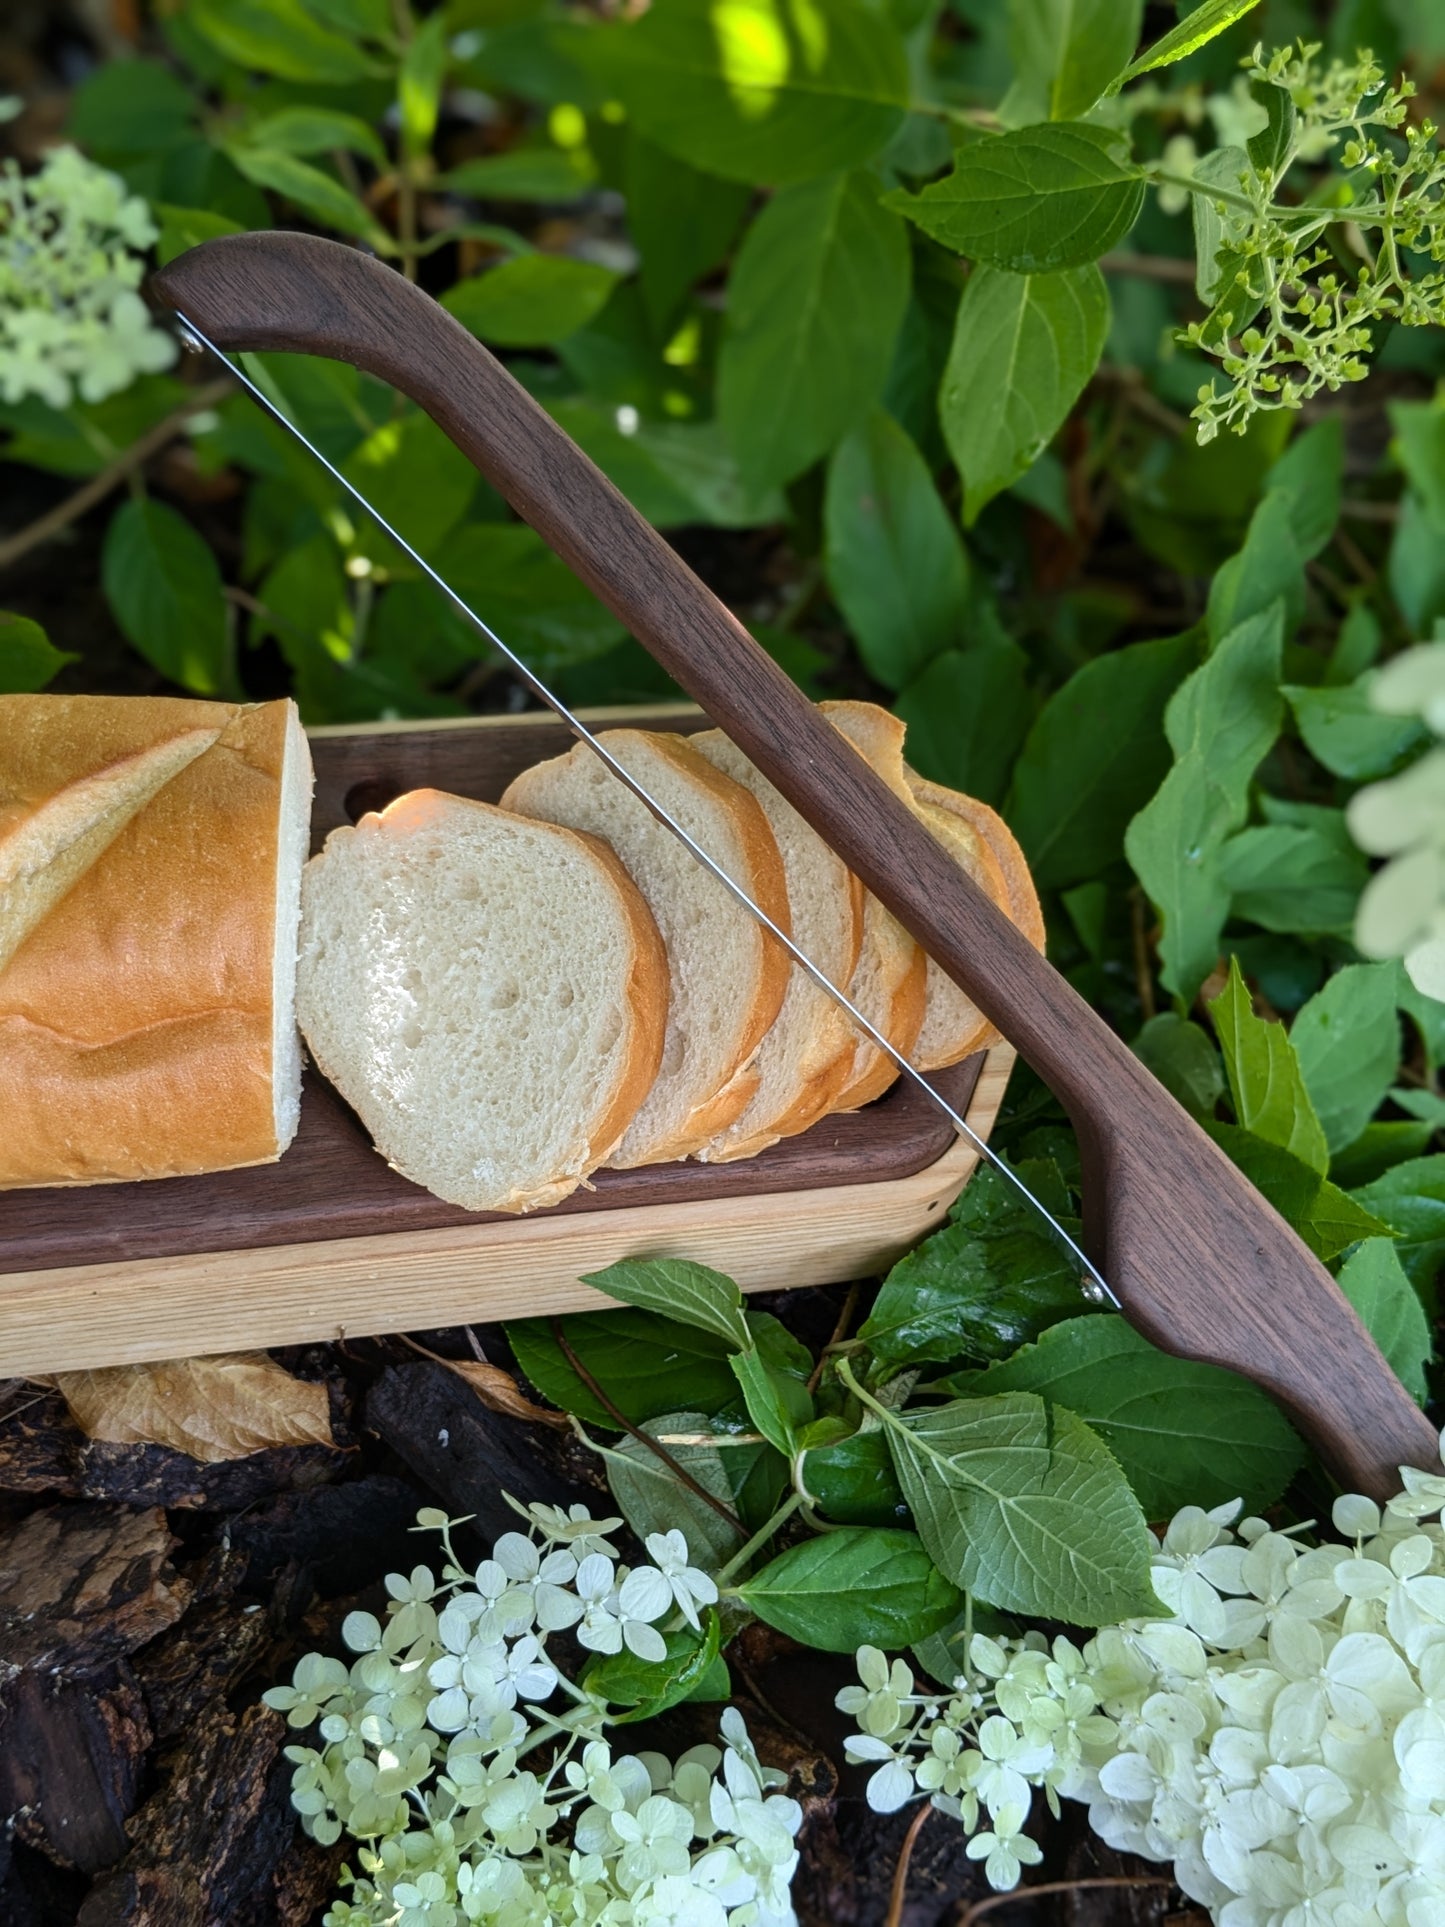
(85, 1316)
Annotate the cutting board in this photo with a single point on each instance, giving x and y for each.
(331, 1241)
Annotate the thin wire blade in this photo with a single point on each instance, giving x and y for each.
(1093, 1284)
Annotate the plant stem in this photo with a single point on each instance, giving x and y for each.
(761, 1537)
(1167, 177)
(900, 1873)
(840, 1332)
(660, 1451)
(111, 477)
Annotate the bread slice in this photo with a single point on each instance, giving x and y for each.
(150, 864)
(488, 993)
(728, 975)
(806, 1058)
(983, 844)
(889, 984)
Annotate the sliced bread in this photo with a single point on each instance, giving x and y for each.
(728, 976)
(487, 992)
(953, 1026)
(890, 979)
(806, 1058)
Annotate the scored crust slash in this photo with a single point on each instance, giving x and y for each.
(508, 997)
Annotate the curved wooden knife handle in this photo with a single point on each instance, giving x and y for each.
(1201, 1264)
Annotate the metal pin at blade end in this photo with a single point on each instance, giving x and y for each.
(1095, 1288)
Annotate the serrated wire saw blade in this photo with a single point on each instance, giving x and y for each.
(1093, 1283)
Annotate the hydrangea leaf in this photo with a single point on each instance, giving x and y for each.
(1065, 53)
(1095, 755)
(1293, 878)
(1376, 1284)
(649, 1687)
(1034, 200)
(1328, 1219)
(1023, 347)
(816, 299)
(163, 582)
(653, 1499)
(1184, 1059)
(1198, 27)
(852, 1480)
(895, 561)
(649, 1365)
(1266, 1084)
(762, 91)
(532, 300)
(855, 1587)
(969, 711)
(28, 658)
(1184, 1433)
(692, 1294)
(1026, 1508)
(1219, 723)
(1411, 1201)
(1347, 1042)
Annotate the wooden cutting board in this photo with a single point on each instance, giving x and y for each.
(331, 1240)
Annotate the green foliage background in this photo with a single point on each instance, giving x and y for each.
(876, 305)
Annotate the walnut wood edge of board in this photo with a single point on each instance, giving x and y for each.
(1200, 1262)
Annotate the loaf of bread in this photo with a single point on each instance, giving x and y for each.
(150, 864)
(488, 993)
(728, 975)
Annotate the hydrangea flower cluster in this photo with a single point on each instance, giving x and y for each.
(477, 1800)
(1281, 1738)
(1402, 910)
(71, 320)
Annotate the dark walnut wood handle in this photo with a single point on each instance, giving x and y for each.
(1201, 1264)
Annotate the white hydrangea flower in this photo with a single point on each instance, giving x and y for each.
(474, 1800)
(71, 320)
(1402, 910)
(689, 1587)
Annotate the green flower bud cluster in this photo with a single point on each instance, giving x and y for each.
(1298, 289)
(71, 320)
(474, 1769)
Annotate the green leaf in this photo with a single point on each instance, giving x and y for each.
(1184, 1060)
(1269, 569)
(968, 712)
(1419, 448)
(650, 1687)
(163, 584)
(1065, 53)
(1311, 473)
(1269, 149)
(1347, 1042)
(1343, 730)
(767, 1396)
(679, 1289)
(1377, 1149)
(1184, 1433)
(648, 1365)
(683, 220)
(1025, 1508)
(763, 91)
(1219, 723)
(318, 194)
(1034, 200)
(524, 174)
(316, 130)
(894, 558)
(814, 305)
(852, 1480)
(1193, 32)
(1266, 1085)
(654, 1499)
(1292, 879)
(419, 84)
(1376, 1284)
(531, 300)
(1023, 347)
(125, 107)
(187, 227)
(28, 658)
(855, 1587)
(1327, 1218)
(1410, 1199)
(417, 478)
(960, 1295)
(279, 37)
(1093, 758)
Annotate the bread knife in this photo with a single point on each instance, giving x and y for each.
(1193, 1255)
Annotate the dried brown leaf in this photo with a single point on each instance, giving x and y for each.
(496, 1389)
(210, 1408)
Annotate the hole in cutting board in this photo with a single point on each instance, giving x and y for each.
(374, 794)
